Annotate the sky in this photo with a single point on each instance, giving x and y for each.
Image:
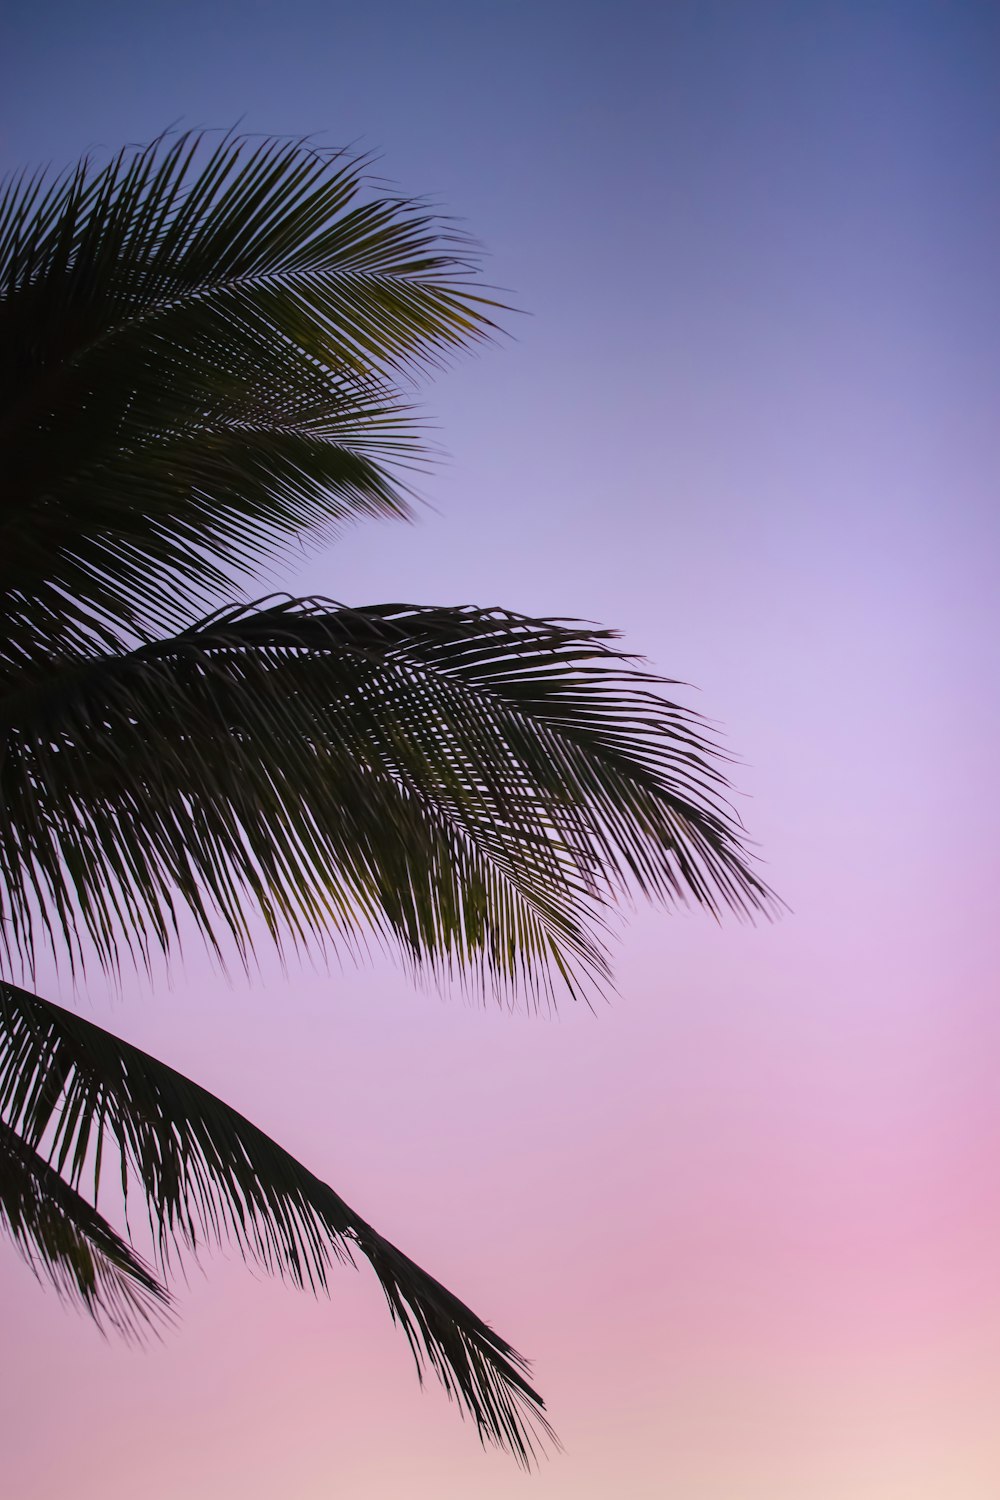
(745, 1218)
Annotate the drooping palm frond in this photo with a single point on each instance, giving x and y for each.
(475, 784)
(209, 1174)
(66, 1241)
(203, 350)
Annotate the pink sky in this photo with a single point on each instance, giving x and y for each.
(746, 1218)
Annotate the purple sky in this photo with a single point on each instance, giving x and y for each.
(746, 1220)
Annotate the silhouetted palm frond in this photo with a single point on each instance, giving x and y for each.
(66, 1241)
(208, 1174)
(203, 350)
(475, 784)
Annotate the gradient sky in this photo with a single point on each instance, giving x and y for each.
(746, 1219)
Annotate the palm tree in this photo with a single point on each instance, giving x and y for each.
(208, 350)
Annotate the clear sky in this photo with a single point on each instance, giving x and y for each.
(746, 1219)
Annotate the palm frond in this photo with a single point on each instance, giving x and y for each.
(206, 349)
(209, 1174)
(477, 786)
(66, 1241)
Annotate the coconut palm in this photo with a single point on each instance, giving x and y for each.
(208, 350)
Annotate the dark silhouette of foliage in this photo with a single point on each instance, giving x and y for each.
(207, 351)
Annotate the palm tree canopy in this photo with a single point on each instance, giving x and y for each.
(206, 351)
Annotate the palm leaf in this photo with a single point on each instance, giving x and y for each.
(206, 349)
(209, 1174)
(476, 786)
(67, 1241)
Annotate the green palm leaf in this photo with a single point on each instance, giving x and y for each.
(475, 785)
(67, 1241)
(209, 1174)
